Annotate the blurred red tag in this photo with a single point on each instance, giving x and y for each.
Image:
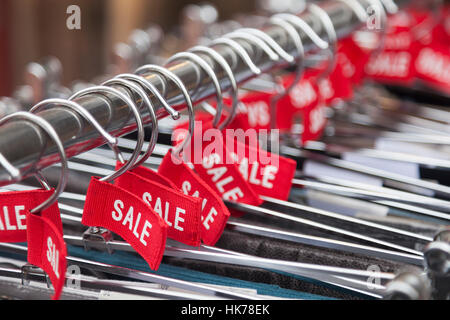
(46, 248)
(395, 63)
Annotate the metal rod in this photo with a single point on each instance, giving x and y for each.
(28, 150)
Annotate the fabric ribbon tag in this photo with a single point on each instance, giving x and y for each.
(15, 204)
(352, 59)
(126, 214)
(181, 213)
(214, 212)
(46, 249)
(268, 174)
(214, 165)
(395, 63)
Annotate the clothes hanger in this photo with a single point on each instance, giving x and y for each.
(29, 116)
(381, 226)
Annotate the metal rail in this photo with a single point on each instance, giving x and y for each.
(28, 149)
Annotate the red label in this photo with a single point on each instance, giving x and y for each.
(149, 174)
(352, 59)
(46, 249)
(13, 208)
(306, 103)
(214, 212)
(395, 64)
(214, 165)
(181, 213)
(267, 173)
(126, 214)
(221, 173)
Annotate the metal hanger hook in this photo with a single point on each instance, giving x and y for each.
(238, 34)
(290, 30)
(154, 136)
(210, 72)
(102, 89)
(175, 79)
(332, 36)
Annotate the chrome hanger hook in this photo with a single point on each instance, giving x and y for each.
(226, 67)
(146, 84)
(302, 25)
(154, 136)
(210, 72)
(102, 89)
(357, 8)
(44, 125)
(240, 51)
(270, 42)
(331, 33)
(174, 78)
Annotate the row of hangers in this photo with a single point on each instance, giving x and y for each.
(103, 162)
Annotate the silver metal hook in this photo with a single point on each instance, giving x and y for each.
(150, 87)
(240, 51)
(140, 128)
(301, 24)
(43, 124)
(112, 141)
(256, 40)
(226, 67)
(300, 65)
(332, 36)
(210, 72)
(174, 78)
(357, 8)
(146, 100)
(272, 43)
(384, 23)
(390, 6)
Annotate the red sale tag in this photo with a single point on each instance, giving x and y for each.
(46, 249)
(268, 174)
(253, 111)
(213, 163)
(304, 95)
(395, 64)
(15, 204)
(305, 102)
(126, 214)
(151, 175)
(181, 213)
(214, 212)
(352, 59)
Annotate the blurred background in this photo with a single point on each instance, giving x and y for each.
(33, 29)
